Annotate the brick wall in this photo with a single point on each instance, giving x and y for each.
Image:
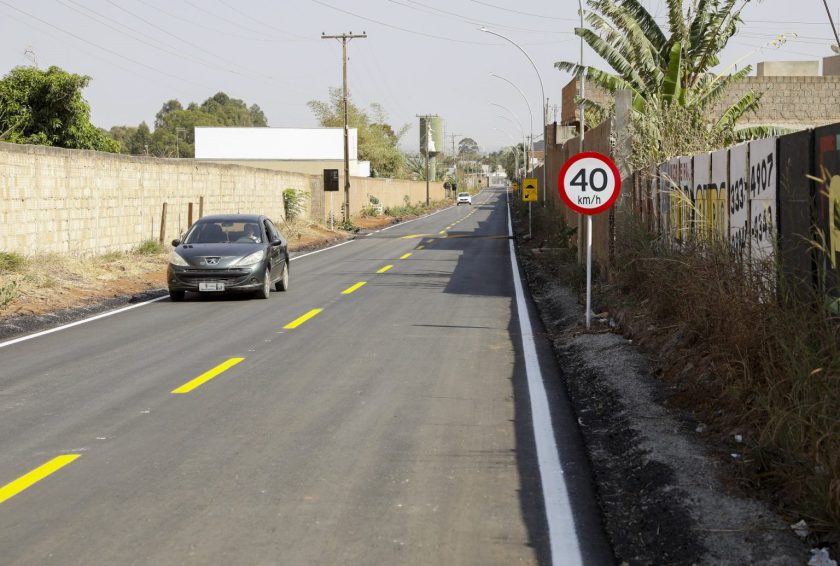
(56, 200)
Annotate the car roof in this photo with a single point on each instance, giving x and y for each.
(232, 218)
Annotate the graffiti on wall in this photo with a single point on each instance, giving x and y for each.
(762, 197)
(739, 218)
(719, 195)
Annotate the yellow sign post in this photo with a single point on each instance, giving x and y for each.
(530, 187)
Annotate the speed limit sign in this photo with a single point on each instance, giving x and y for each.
(589, 183)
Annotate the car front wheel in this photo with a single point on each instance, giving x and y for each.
(265, 290)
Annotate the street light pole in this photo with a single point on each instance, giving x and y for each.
(344, 38)
(582, 79)
(542, 90)
(530, 114)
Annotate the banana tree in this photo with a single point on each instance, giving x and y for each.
(662, 70)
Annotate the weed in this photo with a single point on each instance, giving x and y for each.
(8, 291)
(772, 362)
(347, 226)
(294, 201)
(11, 261)
(149, 247)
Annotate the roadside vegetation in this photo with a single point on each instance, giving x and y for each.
(745, 351)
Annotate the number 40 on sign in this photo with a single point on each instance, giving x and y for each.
(589, 183)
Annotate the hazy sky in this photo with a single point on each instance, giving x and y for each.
(420, 57)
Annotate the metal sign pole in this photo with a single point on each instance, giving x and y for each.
(588, 271)
(332, 214)
(529, 220)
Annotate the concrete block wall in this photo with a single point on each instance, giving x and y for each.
(55, 200)
(793, 101)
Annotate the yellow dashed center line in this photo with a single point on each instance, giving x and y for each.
(420, 247)
(23, 482)
(298, 321)
(355, 287)
(207, 376)
(442, 232)
(384, 269)
(405, 256)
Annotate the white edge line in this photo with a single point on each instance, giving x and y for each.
(78, 322)
(562, 536)
(111, 313)
(322, 250)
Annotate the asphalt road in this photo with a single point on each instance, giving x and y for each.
(393, 426)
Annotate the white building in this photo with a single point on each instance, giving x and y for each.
(299, 150)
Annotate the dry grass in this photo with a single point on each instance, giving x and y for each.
(748, 358)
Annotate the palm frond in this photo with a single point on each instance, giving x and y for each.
(671, 85)
(747, 103)
(646, 23)
(750, 133)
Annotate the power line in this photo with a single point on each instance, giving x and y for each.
(247, 17)
(397, 27)
(222, 18)
(441, 13)
(103, 48)
(543, 16)
(254, 74)
(198, 24)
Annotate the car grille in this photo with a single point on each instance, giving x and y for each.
(203, 276)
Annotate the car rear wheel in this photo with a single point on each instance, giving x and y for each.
(283, 283)
(176, 296)
(265, 290)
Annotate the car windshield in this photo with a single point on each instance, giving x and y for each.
(463, 194)
(224, 232)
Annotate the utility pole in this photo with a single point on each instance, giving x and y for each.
(454, 158)
(178, 131)
(833, 27)
(344, 38)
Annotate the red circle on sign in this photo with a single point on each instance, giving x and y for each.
(561, 186)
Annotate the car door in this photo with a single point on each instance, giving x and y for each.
(275, 252)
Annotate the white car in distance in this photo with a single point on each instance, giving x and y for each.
(464, 198)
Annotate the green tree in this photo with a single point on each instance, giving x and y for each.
(174, 134)
(46, 107)
(468, 148)
(377, 140)
(668, 74)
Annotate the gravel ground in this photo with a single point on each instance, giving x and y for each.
(659, 490)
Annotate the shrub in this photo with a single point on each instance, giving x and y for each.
(294, 201)
(8, 291)
(149, 247)
(11, 261)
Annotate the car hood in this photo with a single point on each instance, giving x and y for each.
(204, 255)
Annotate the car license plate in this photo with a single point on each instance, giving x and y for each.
(211, 286)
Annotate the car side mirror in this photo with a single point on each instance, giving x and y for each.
(176, 242)
(276, 242)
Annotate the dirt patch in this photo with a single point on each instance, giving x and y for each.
(661, 491)
(47, 290)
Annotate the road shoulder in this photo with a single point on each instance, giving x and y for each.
(658, 489)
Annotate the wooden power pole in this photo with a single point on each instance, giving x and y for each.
(344, 38)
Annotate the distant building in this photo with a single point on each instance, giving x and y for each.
(795, 95)
(298, 150)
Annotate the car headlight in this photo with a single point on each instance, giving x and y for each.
(253, 258)
(177, 260)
